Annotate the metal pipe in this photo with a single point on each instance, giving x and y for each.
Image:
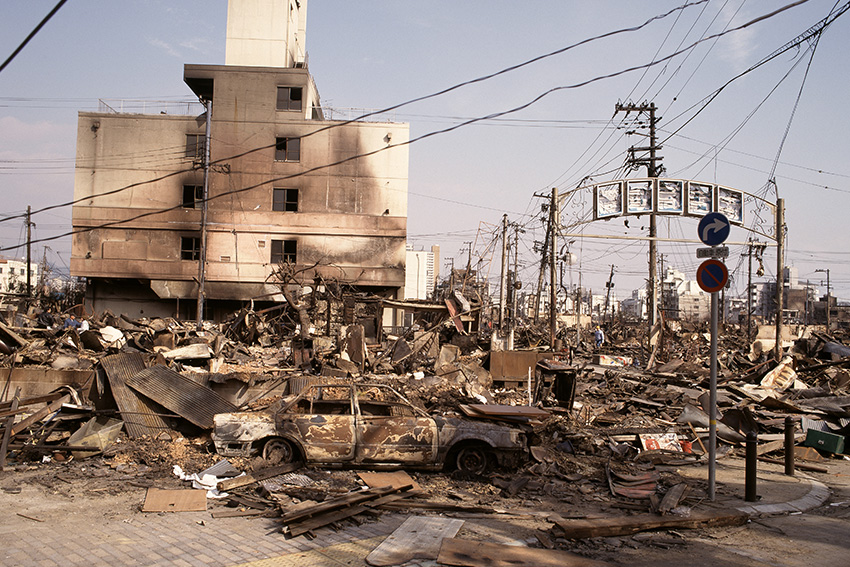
(712, 410)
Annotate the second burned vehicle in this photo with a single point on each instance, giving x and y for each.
(367, 425)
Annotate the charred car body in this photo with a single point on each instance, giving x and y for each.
(366, 425)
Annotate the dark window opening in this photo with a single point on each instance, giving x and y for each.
(190, 248)
(289, 98)
(287, 149)
(193, 195)
(284, 251)
(195, 146)
(285, 200)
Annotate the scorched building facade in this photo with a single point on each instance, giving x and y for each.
(285, 186)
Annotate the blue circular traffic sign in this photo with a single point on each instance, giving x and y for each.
(712, 275)
(713, 229)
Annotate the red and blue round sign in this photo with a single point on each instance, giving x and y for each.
(712, 275)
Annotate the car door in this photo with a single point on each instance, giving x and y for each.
(322, 420)
(390, 430)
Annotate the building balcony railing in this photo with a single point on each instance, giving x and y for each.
(143, 106)
(332, 113)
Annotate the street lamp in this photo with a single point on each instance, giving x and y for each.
(827, 296)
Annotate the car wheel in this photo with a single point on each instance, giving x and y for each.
(472, 460)
(279, 452)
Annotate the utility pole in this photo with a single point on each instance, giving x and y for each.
(827, 297)
(609, 284)
(202, 256)
(468, 268)
(553, 290)
(652, 170)
(29, 251)
(780, 275)
(757, 248)
(503, 280)
(543, 258)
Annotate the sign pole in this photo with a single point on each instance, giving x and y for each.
(712, 400)
(712, 276)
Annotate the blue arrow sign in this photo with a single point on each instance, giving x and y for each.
(714, 229)
(712, 275)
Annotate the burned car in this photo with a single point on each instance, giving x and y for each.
(366, 425)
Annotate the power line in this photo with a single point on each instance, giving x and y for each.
(424, 136)
(32, 34)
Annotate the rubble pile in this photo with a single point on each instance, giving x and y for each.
(607, 433)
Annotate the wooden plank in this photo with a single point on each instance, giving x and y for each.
(257, 476)
(419, 537)
(236, 513)
(301, 527)
(797, 464)
(627, 525)
(39, 415)
(468, 553)
(347, 500)
(672, 498)
(188, 500)
(32, 401)
(7, 431)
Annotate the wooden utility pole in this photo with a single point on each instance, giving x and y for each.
(29, 251)
(827, 297)
(543, 254)
(780, 275)
(202, 256)
(653, 169)
(609, 284)
(553, 248)
(503, 280)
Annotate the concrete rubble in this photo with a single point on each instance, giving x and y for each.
(608, 437)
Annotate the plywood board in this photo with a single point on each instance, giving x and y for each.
(418, 537)
(395, 479)
(189, 500)
(479, 553)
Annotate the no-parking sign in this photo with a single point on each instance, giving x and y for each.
(712, 275)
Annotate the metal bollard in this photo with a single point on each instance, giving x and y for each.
(750, 492)
(789, 446)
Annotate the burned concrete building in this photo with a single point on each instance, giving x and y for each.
(255, 178)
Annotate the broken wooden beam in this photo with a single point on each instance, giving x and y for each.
(39, 415)
(257, 476)
(628, 525)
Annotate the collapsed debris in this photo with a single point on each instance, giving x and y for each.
(604, 429)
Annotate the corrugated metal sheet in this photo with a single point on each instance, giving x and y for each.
(192, 401)
(139, 413)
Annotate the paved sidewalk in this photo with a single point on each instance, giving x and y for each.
(185, 539)
(777, 493)
(125, 536)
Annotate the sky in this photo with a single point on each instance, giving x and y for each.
(772, 127)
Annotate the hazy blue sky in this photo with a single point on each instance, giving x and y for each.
(376, 54)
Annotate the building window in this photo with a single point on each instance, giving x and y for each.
(195, 146)
(284, 251)
(193, 195)
(285, 200)
(289, 98)
(287, 149)
(190, 248)
(23, 271)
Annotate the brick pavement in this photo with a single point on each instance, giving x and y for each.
(184, 539)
